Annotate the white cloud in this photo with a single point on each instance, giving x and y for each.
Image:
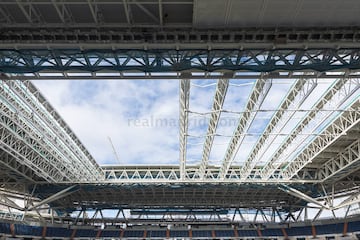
(123, 111)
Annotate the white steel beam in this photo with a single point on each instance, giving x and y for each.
(295, 97)
(339, 127)
(353, 199)
(54, 197)
(258, 94)
(161, 15)
(344, 163)
(146, 11)
(345, 87)
(4, 15)
(297, 193)
(183, 115)
(218, 102)
(94, 10)
(171, 174)
(63, 13)
(30, 13)
(127, 11)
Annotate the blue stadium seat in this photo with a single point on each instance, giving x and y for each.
(110, 234)
(224, 233)
(156, 233)
(5, 228)
(179, 233)
(202, 233)
(134, 233)
(26, 230)
(354, 226)
(86, 233)
(58, 232)
(247, 233)
(329, 229)
(272, 232)
(299, 231)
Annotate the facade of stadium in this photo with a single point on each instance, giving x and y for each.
(307, 185)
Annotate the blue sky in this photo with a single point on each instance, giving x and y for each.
(141, 117)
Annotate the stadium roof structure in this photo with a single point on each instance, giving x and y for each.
(316, 165)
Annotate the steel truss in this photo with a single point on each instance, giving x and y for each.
(343, 87)
(342, 164)
(108, 60)
(171, 174)
(35, 138)
(340, 126)
(296, 96)
(183, 115)
(260, 90)
(218, 102)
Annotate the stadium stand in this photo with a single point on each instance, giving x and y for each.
(326, 230)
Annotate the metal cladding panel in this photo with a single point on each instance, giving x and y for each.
(182, 14)
(275, 13)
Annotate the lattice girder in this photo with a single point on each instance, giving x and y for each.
(257, 96)
(218, 102)
(299, 92)
(349, 118)
(340, 87)
(67, 60)
(342, 164)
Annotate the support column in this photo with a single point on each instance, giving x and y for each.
(283, 230)
(313, 231)
(213, 234)
(43, 234)
(145, 233)
(345, 228)
(98, 234)
(12, 229)
(73, 234)
(236, 234)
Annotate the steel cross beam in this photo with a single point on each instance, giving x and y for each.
(342, 164)
(301, 195)
(184, 112)
(295, 97)
(29, 11)
(63, 13)
(353, 199)
(171, 174)
(258, 94)
(54, 197)
(62, 60)
(341, 86)
(11, 163)
(340, 126)
(218, 102)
